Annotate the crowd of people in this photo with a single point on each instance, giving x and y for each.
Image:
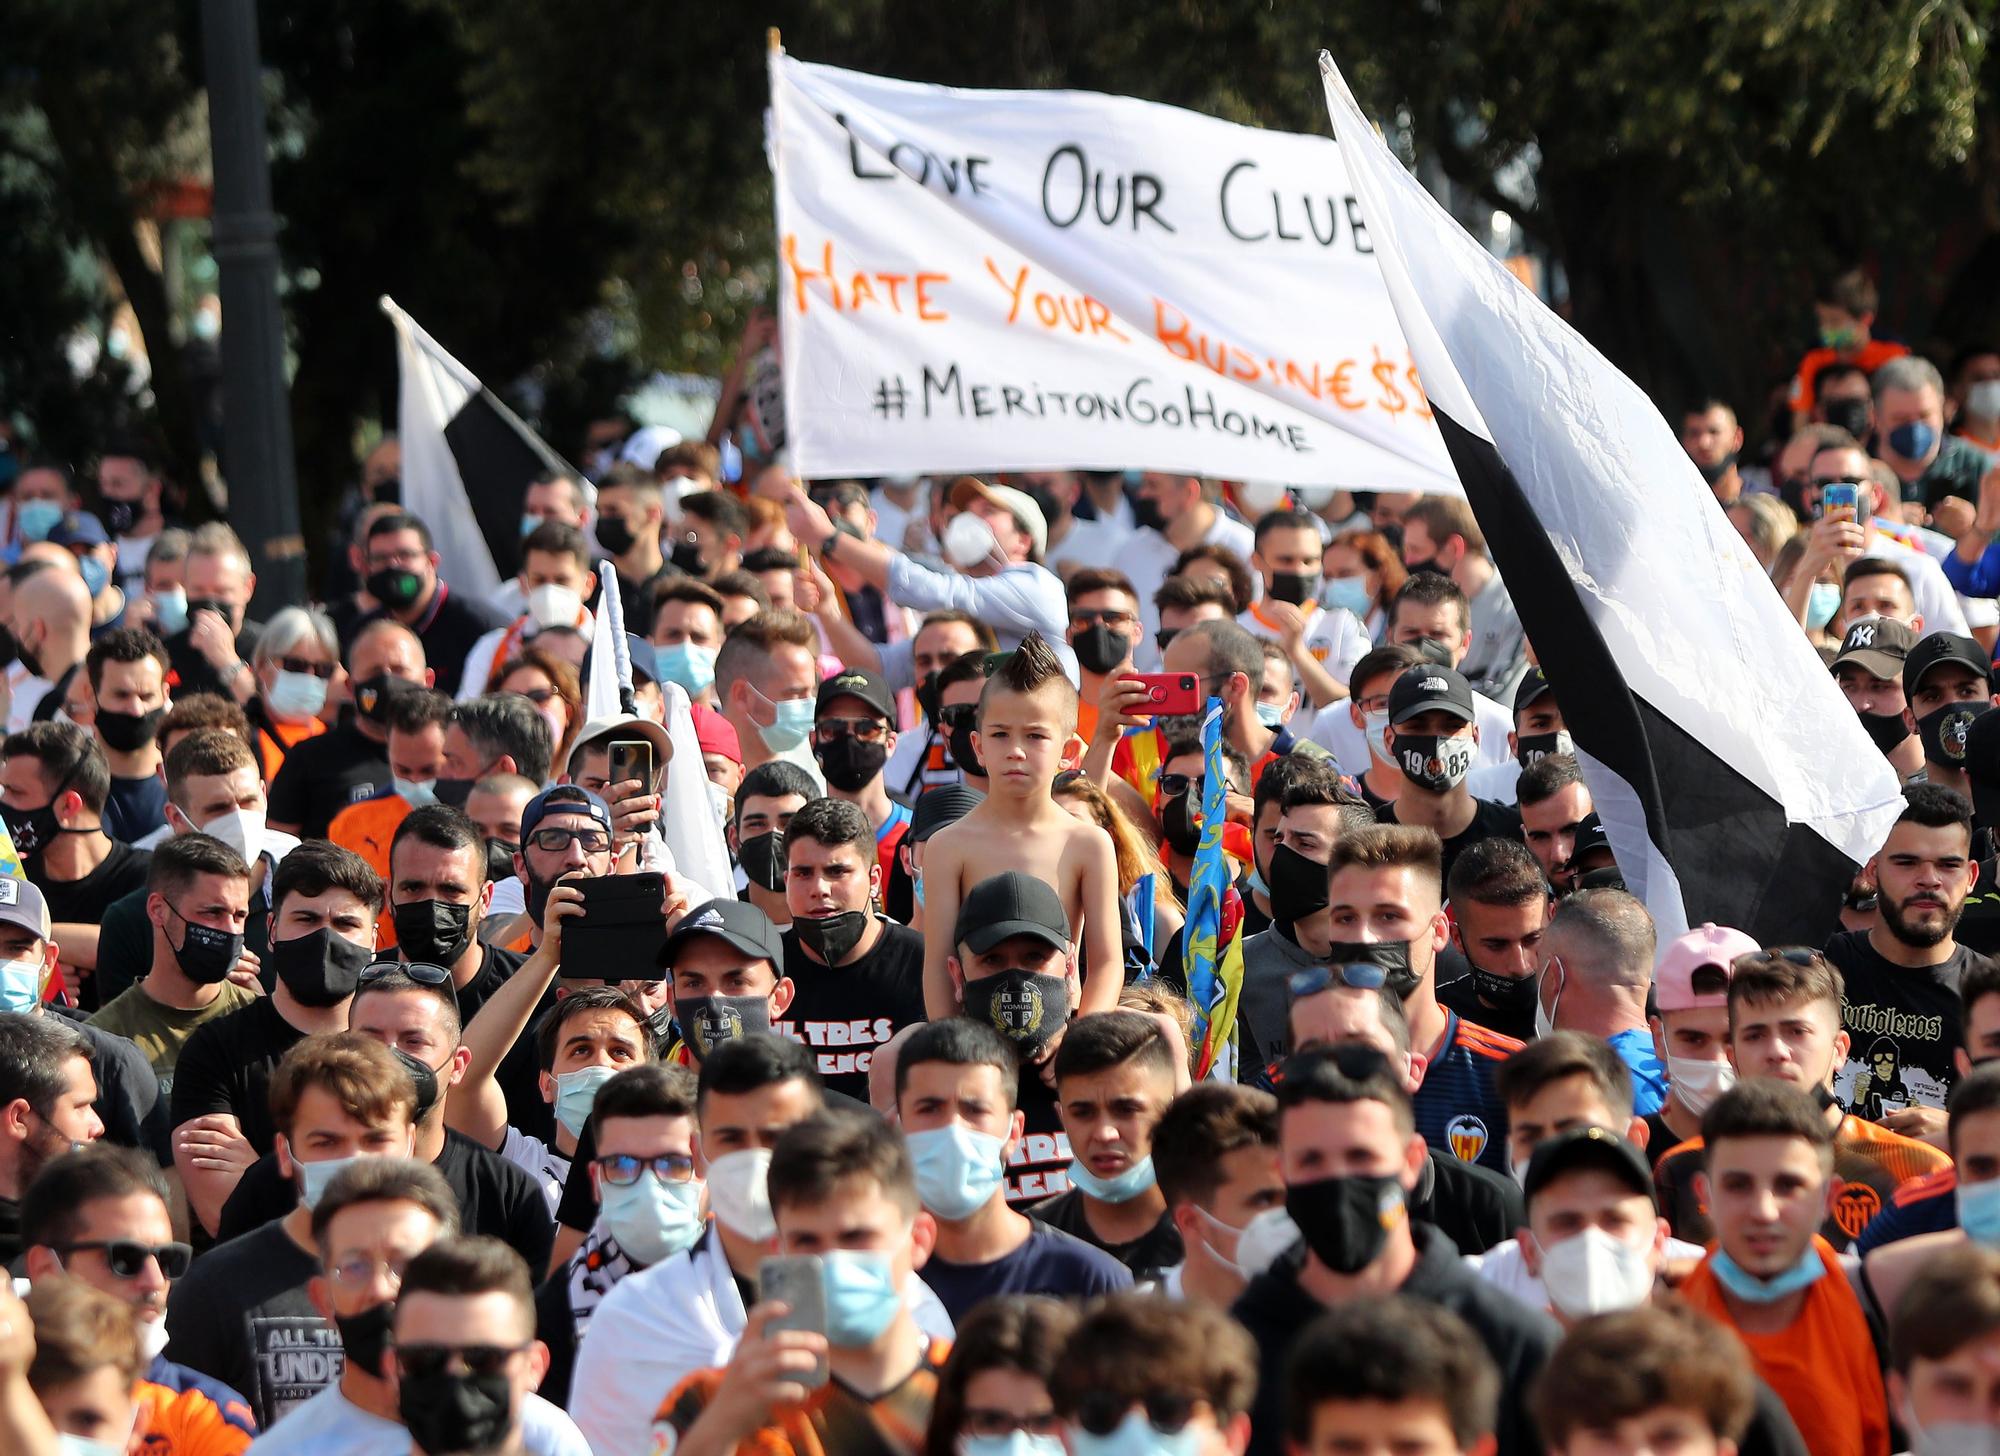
(911, 1136)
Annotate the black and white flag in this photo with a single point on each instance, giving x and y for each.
(467, 460)
(1735, 782)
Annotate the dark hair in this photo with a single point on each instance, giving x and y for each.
(1089, 579)
(831, 823)
(945, 616)
(441, 827)
(1106, 1039)
(199, 711)
(1342, 1075)
(385, 1180)
(52, 1206)
(35, 1052)
(1231, 649)
(1977, 1091)
(182, 857)
(467, 1265)
(959, 1041)
(394, 981)
(1933, 806)
(1393, 658)
(686, 589)
(1952, 1300)
(70, 759)
(1613, 1367)
(1981, 979)
(1433, 589)
(421, 708)
(650, 1089)
(769, 558)
(351, 1067)
(1179, 593)
(401, 521)
(1851, 291)
(1496, 872)
(1773, 980)
(777, 779)
(1283, 519)
(740, 583)
(811, 1159)
(1765, 1107)
(1547, 777)
(1315, 781)
(721, 510)
(316, 867)
(748, 1063)
(1390, 1351)
(548, 1030)
(206, 753)
(1390, 846)
(1445, 516)
(1200, 1128)
(1863, 567)
(1559, 1056)
(124, 644)
(1023, 1332)
(1031, 668)
(1278, 775)
(507, 723)
(1133, 1344)
(1242, 582)
(750, 643)
(557, 538)
(966, 667)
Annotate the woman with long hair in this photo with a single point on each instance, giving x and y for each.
(551, 685)
(1362, 574)
(1153, 913)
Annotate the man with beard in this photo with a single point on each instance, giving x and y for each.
(46, 1092)
(1555, 807)
(1902, 977)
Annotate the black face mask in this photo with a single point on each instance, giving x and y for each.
(848, 763)
(687, 557)
(1177, 823)
(1850, 415)
(392, 586)
(221, 608)
(1885, 730)
(709, 1021)
(457, 1412)
(321, 969)
(762, 857)
(1426, 568)
(375, 696)
(958, 743)
(365, 1336)
(1295, 587)
(660, 1026)
(1146, 514)
(205, 955)
(614, 535)
(33, 830)
(1099, 649)
(1942, 730)
(436, 931)
(1393, 956)
(1298, 886)
(1346, 1221)
(1026, 1008)
(453, 791)
(128, 732)
(387, 491)
(1531, 748)
(927, 697)
(832, 937)
(1503, 993)
(1162, 637)
(500, 858)
(120, 516)
(426, 1078)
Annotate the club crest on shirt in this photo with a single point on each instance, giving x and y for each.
(1018, 1012)
(1468, 1137)
(1856, 1204)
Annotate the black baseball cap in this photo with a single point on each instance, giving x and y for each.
(736, 923)
(857, 682)
(1880, 645)
(1007, 905)
(1942, 647)
(1590, 837)
(1587, 1147)
(1532, 685)
(1427, 687)
(936, 808)
(637, 648)
(564, 799)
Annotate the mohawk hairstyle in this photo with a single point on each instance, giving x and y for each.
(1031, 668)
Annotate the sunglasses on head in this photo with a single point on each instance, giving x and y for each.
(126, 1258)
(1360, 975)
(427, 1362)
(422, 972)
(1100, 1412)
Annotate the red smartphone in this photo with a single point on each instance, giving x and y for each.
(1168, 692)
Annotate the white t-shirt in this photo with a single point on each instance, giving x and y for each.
(332, 1425)
(27, 691)
(1146, 557)
(1496, 781)
(541, 1162)
(1334, 638)
(1088, 544)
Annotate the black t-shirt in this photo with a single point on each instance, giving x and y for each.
(1902, 1023)
(226, 1067)
(1490, 820)
(637, 598)
(496, 967)
(1463, 997)
(1157, 1249)
(324, 774)
(1040, 1165)
(844, 1012)
(1476, 1208)
(1049, 1262)
(241, 1315)
(447, 628)
(128, 1103)
(1979, 923)
(192, 674)
(122, 871)
(135, 807)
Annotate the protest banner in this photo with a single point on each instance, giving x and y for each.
(981, 280)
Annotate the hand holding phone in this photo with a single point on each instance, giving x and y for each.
(798, 1282)
(1167, 693)
(1840, 501)
(776, 1363)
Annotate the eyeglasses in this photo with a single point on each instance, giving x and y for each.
(1100, 1412)
(427, 1362)
(126, 1258)
(422, 972)
(1082, 618)
(555, 841)
(622, 1170)
(359, 1272)
(984, 1421)
(862, 730)
(1360, 975)
(306, 665)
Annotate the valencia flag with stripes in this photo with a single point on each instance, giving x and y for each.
(1734, 781)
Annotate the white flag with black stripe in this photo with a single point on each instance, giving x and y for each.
(467, 460)
(1734, 781)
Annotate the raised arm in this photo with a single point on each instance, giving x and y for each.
(941, 873)
(477, 1106)
(1104, 952)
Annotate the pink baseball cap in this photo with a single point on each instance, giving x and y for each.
(1706, 945)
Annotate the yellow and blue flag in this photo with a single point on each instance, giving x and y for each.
(1214, 950)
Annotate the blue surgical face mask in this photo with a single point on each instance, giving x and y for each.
(1271, 715)
(1978, 1209)
(1258, 884)
(1347, 593)
(576, 1092)
(37, 518)
(861, 1296)
(1752, 1290)
(958, 1168)
(688, 664)
(1136, 1436)
(794, 721)
(1821, 603)
(416, 792)
(650, 1219)
(170, 610)
(96, 575)
(69, 1445)
(296, 695)
(1127, 1186)
(315, 1177)
(21, 987)
(1014, 1443)
(528, 524)
(917, 887)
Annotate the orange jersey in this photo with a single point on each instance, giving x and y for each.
(185, 1423)
(289, 735)
(367, 828)
(832, 1421)
(1874, 354)
(1822, 1365)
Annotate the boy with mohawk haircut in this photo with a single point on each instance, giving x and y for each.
(1026, 731)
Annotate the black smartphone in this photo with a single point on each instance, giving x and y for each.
(630, 758)
(619, 935)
